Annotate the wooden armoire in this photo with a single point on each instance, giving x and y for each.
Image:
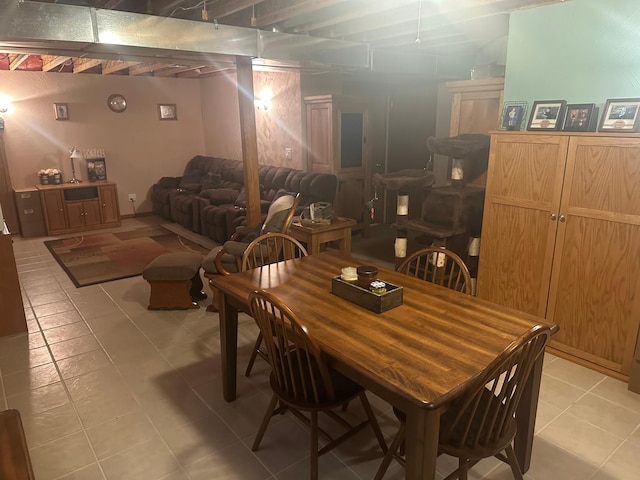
(561, 239)
(337, 143)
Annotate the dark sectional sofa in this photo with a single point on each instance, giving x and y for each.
(209, 196)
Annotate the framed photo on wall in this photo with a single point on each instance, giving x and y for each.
(61, 111)
(547, 115)
(581, 117)
(167, 111)
(512, 115)
(96, 169)
(620, 115)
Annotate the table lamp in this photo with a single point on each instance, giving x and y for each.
(74, 153)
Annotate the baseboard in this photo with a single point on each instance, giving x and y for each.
(136, 215)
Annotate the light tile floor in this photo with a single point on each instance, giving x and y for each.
(110, 390)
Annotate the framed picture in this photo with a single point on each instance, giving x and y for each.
(61, 111)
(620, 115)
(512, 115)
(167, 111)
(581, 117)
(96, 169)
(547, 115)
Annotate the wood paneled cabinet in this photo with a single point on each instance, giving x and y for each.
(476, 105)
(561, 238)
(337, 143)
(76, 207)
(13, 319)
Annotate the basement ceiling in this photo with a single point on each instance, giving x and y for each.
(340, 33)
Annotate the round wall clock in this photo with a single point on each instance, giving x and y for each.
(117, 103)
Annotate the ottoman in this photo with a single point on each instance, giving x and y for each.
(175, 281)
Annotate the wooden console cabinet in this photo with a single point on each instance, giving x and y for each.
(12, 320)
(561, 239)
(69, 208)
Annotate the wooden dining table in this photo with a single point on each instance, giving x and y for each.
(417, 356)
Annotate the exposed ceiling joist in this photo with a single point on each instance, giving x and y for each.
(17, 61)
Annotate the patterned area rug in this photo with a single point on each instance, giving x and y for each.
(103, 257)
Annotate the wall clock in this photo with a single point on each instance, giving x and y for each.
(117, 103)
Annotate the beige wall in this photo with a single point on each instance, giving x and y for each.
(139, 147)
(278, 128)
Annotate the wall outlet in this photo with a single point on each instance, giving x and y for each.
(288, 153)
(132, 197)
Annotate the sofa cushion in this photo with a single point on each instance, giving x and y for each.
(220, 196)
(211, 180)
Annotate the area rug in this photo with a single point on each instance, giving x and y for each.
(103, 257)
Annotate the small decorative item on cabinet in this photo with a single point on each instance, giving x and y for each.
(50, 176)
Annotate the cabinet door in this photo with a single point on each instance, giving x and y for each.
(595, 286)
(109, 204)
(53, 205)
(91, 212)
(524, 184)
(319, 137)
(75, 211)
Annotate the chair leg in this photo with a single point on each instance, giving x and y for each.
(373, 421)
(265, 422)
(513, 463)
(314, 446)
(254, 354)
(393, 448)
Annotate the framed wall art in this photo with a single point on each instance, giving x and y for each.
(167, 111)
(61, 111)
(96, 169)
(512, 115)
(547, 115)
(581, 117)
(620, 115)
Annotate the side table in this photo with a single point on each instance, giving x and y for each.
(338, 230)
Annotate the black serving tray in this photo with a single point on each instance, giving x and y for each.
(376, 302)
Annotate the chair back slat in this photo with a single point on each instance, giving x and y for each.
(271, 248)
(438, 265)
(298, 368)
(485, 413)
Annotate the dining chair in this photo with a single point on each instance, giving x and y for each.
(438, 265)
(301, 379)
(481, 422)
(227, 258)
(266, 249)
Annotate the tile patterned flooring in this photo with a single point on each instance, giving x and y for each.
(111, 391)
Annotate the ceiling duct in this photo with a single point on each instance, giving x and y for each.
(70, 30)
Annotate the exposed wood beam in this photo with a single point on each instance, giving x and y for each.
(169, 7)
(174, 71)
(83, 64)
(114, 66)
(223, 9)
(144, 68)
(51, 62)
(198, 72)
(273, 11)
(17, 61)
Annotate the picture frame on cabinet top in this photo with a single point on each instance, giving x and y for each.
(620, 115)
(513, 113)
(581, 117)
(547, 115)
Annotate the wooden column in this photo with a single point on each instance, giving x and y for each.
(244, 72)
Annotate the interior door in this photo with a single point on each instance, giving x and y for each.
(595, 286)
(524, 185)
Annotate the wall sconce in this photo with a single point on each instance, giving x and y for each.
(4, 108)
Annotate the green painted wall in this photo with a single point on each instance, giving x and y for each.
(581, 51)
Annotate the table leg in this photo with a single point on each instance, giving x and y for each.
(345, 243)
(423, 427)
(314, 245)
(228, 347)
(526, 416)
